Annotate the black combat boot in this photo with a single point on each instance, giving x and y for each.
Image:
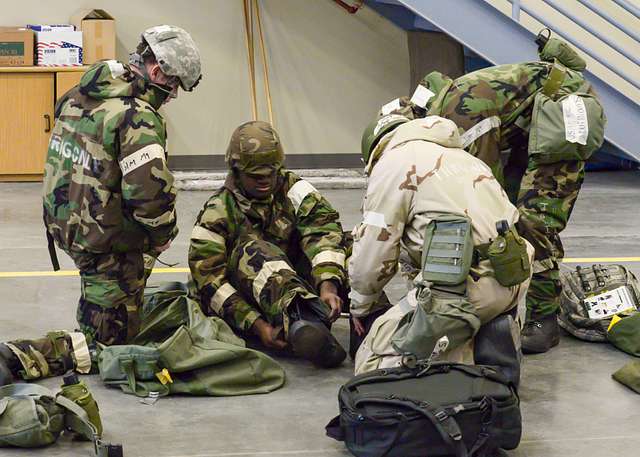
(310, 335)
(541, 334)
(7, 364)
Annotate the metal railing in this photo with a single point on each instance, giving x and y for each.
(632, 78)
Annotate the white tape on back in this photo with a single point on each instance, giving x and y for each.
(391, 106)
(576, 125)
(421, 96)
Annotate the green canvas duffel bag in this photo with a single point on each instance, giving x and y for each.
(624, 333)
(179, 350)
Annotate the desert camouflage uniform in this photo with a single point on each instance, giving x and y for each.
(108, 201)
(545, 193)
(422, 173)
(250, 257)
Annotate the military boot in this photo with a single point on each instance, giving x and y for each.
(8, 365)
(541, 334)
(310, 335)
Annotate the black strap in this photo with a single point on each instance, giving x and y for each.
(52, 252)
(446, 425)
(489, 405)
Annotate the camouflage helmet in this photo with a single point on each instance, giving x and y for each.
(176, 53)
(255, 148)
(376, 130)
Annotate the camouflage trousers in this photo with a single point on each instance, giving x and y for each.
(112, 287)
(268, 281)
(547, 195)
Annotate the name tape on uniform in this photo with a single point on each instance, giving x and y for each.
(576, 125)
(141, 157)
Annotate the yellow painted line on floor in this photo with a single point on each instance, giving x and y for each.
(600, 259)
(41, 274)
(31, 274)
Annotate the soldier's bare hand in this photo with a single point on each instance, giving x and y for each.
(329, 295)
(358, 326)
(269, 335)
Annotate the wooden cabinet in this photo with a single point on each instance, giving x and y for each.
(27, 98)
(65, 81)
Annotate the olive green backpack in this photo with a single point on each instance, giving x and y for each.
(179, 350)
(584, 291)
(33, 416)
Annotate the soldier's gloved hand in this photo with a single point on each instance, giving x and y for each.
(269, 336)
(329, 295)
(164, 247)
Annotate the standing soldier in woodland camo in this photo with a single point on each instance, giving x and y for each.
(109, 200)
(535, 124)
(267, 252)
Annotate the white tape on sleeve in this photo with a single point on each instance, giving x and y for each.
(375, 219)
(479, 129)
(201, 233)
(299, 192)
(141, 157)
(328, 257)
(224, 291)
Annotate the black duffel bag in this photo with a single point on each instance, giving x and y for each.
(445, 410)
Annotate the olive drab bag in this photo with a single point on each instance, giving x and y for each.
(442, 306)
(591, 296)
(565, 126)
(179, 350)
(33, 416)
(624, 333)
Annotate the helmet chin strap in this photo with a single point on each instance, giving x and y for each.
(137, 61)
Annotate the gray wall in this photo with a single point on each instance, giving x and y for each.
(329, 71)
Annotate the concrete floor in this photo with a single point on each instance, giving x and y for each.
(570, 404)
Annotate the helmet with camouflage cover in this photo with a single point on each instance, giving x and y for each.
(376, 130)
(175, 52)
(255, 148)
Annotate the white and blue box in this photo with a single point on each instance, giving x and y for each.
(59, 48)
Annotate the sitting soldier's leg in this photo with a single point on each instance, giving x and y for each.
(546, 199)
(264, 277)
(112, 291)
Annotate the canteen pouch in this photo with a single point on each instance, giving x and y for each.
(509, 258)
(559, 50)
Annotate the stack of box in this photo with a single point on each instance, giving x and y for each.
(58, 45)
(90, 38)
(16, 47)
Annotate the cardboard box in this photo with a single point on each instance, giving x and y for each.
(98, 34)
(51, 28)
(59, 49)
(16, 47)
